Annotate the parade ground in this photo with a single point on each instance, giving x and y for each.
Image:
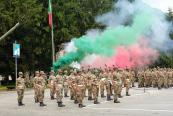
(152, 102)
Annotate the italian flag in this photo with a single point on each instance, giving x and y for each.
(50, 14)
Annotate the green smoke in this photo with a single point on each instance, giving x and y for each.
(105, 43)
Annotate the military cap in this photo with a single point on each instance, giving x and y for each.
(20, 73)
(36, 72)
(42, 72)
(52, 72)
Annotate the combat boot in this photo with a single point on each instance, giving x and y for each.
(72, 98)
(127, 94)
(52, 98)
(116, 101)
(20, 104)
(75, 101)
(42, 104)
(66, 95)
(81, 106)
(102, 96)
(96, 102)
(60, 104)
(120, 96)
(90, 98)
(36, 101)
(109, 98)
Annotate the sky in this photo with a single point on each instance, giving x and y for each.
(160, 4)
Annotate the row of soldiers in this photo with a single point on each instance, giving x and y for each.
(78, 84)
(156, 77)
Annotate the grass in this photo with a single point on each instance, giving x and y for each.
(3, 88)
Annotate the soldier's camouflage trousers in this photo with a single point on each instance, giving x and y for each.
(116, 89)
(108, 89)
(66, 89)
(89, 91)
(160, 83)
(95, 92)
(165, 83)
(20, 93)
(52, 90)
(59, 91)
(127, 86)
(40, 93)
(35, 94)
(79, 93)
(102, 89)
(119, 89)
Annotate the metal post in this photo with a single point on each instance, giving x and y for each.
(16, 64)
(53, 48)
(11, 30)
(16, 67)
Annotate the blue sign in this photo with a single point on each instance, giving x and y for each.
(16, 50)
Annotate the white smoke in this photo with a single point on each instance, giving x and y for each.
(89, 59)
(75, 65)
(70, 47)
(124, 10)
(122, 14)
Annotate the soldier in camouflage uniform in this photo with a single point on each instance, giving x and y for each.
(116, 82)
(154, 78)
(160, 78)
(95, 89)
(80, 90)
(52, 84)
(84, 76)
(20, 87)
(108, 85)
(170, 74)
(37, 74)
(132, 78)
(127, 83)
(89, 85)
(59, 88)
(27, 80)
(141, 79)
(102, 84)
(40, 86)
(72, 85)
(65, 84)
(120, 76)
(165, 82)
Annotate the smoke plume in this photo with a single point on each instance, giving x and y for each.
(120, 44)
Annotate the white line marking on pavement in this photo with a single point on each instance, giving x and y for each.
(123, 109)
(139, 94)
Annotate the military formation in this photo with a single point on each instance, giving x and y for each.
(156, 77)
(91, 84)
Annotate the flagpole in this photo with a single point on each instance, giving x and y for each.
(51, 26)
(53, 48)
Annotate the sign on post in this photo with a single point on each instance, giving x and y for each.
(16, 50)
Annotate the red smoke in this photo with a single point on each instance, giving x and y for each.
(137, 55)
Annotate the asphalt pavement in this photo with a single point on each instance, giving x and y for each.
(152, 102)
